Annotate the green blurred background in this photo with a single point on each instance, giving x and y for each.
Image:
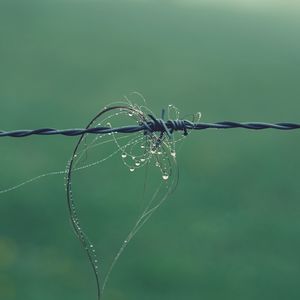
(232, 229)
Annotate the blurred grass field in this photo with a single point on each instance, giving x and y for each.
(232, 229)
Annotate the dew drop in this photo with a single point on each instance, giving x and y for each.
(137, 163)
(173, 153)
(142, 146)
(165, 176)
(131, 169)
(143, 159)
(124, 155)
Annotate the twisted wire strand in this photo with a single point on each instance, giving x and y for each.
(153, 125)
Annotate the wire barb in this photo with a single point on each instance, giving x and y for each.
(153, 125)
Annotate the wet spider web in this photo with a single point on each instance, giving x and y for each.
(154, 152)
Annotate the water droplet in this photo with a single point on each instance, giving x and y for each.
(157, 164)
(165, 176)
(159, 152)
(133, 157)
(142, 146)
(124, 155)
(137, 163)
(131, 169)
(130, 114)
(173, 153)
(143, 159)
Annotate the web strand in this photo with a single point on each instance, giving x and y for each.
(142, 149)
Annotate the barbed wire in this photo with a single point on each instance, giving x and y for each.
(152, 125)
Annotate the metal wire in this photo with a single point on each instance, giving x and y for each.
(154, 124)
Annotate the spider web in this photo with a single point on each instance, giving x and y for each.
(153, 151)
